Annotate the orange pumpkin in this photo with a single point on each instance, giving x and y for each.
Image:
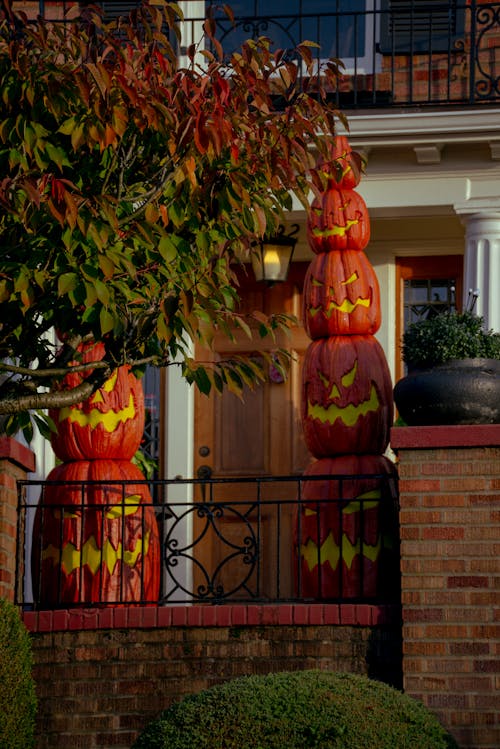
(341, 295)
(346, 529)
(110, 424)
(338, 220)
(347, 405)
(342, 166)
(95, 542)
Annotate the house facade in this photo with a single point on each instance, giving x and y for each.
(421, 94)
(422, 100)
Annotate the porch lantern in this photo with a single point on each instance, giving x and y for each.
(271, 259)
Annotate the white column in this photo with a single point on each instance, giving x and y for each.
(179, 462)
(481, 217)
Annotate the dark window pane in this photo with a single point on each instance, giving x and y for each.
(338, 27)
(424, 298)
(411, 26)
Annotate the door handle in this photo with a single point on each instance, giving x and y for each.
(204, 473)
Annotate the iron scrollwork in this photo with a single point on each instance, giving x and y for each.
(240, 561)
(487, 19)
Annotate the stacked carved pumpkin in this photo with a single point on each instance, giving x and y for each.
(97, 542)
(347, 407)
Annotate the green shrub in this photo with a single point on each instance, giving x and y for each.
(17, 688)
(295, 711)
(451, 335)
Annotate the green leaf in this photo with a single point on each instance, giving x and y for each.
(102, 292)
(244, 326)
(66, 282)
(203, 241)
(106, 265)
(57, 155)
(167, 248)
(202, 380)
(90, 314)
(68, 126)
(45, 424)
(28, 432)
(90, 294)
(22, 281)
(107, 321)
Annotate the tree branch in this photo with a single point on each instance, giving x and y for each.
(11, 403)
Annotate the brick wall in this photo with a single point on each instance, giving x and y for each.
(102, 675)
(15, 461)
(450, 567)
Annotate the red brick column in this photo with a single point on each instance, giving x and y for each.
(15, 462)
(450, 567)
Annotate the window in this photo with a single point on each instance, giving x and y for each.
(425, 26)
(426, 286)
(426, 298)
(341, 28)
(113, 9)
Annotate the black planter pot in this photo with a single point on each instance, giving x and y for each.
(462, 391)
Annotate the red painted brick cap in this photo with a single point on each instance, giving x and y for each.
(452, 435)
(11, 449)
(148, 617)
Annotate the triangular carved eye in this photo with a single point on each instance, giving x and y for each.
(350, 376)
(119, 510)
(110, 383)
(323, 379)
(108, 387)
(353, 277)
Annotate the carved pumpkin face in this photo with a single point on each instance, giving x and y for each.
(338, 220)
(347, 405)
(341, 295)
(347, 528)
(99, 543)
(343, 167)
(110, 424)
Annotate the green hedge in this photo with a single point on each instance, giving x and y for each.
(297, 711)
(17, 688)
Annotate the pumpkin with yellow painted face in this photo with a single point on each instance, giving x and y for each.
(346, 529)
(95, 542)
(342, 166)
(341, 295)
(109, 424)
(338, 220)
(347, 405)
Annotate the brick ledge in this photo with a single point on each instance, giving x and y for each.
(148, 617)
(11, 449)
(454, 435)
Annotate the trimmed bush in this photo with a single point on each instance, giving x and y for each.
(294, 711)
(451, 335)
(17, 688)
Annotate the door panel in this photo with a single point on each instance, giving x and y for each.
(259, 435)
(240, 436)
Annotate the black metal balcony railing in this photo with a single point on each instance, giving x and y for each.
(397, 53)
(245, 540)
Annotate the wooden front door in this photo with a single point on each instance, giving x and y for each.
(258, 436)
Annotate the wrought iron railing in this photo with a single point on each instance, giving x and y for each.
(219, 541)
(397, 53)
